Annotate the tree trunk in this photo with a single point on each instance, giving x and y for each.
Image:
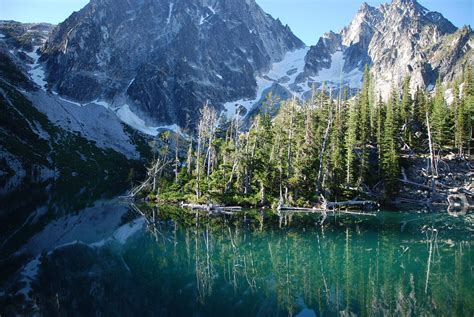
(321, 154)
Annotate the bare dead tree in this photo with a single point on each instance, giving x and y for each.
(289, 146)
(323, 150)
(206, 131)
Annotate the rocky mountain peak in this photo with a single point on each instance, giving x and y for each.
(397, 39)
(364, 8)
(401, 3)
(165, 58)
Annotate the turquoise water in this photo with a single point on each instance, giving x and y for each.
(176, 262)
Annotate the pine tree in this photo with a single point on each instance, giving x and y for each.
(337, 146)
(459, 119)
(364, 126)
(379, 134)
(420, 107)
(440, 117)
(390, 163)
(468, 105)
(405, 113)
(351, 142)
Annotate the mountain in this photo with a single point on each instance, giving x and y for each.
(396, 40)
(163, 59)
(46, 139)
(153, 63)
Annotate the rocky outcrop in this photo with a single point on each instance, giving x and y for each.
(396, 40)
(24, 36)
(164, 58)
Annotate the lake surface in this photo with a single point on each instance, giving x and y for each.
(109, 259)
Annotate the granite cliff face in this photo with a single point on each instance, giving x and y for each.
(155, 62)
(164, 58)
(398, 39)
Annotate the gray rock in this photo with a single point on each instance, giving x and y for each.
(396, 40)
(165, 58)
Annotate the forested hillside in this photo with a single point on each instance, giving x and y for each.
(328, 148)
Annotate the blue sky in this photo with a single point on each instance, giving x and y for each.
(308, 19)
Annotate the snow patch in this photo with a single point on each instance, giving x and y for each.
(102, 103)
(125, 232)
(122, 234)
(36, 71)
(130, 118)
(127, 116)
(69, 101)
(335, 75)
(131, 82)
(292, 61)
(2, 36)
(168, 20)
(29, 274)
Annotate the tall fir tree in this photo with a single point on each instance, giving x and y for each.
(379, 134)
(468, 106)
(440, 118)
(405, 113)
(390, 164)
(364, 108)
(337, 146)
(351, 142)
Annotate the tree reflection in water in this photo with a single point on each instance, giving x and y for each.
(281, 264)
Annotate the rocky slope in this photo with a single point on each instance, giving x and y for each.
(162, 58)
(398, 39)
(45, 138)
(153, 63)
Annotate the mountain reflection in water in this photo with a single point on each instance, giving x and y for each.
(170, 261)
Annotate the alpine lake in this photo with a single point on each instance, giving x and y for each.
(98, 255)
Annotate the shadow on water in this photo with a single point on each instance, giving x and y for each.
(37, 217)
(171, 261)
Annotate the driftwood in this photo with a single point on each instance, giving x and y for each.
(211, 207)
(151, 178)
(351, 203)
(406, 181)
(301, 209)
(324, 212)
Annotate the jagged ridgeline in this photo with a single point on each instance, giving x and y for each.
(162, 59)
(165, 58)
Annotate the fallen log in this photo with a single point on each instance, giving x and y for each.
(211, 207)
(357, 213)
(405, 181)
(424, 202)
(301, 209)
(322, 211)
(352, 203)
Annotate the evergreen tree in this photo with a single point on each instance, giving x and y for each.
(337, 147)
(405, 113)
(390, 163)
(440, 118)
(379, 134)
(351, 142)
(468, 105)
(364, 126)
(459, 119)
(324, 142)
